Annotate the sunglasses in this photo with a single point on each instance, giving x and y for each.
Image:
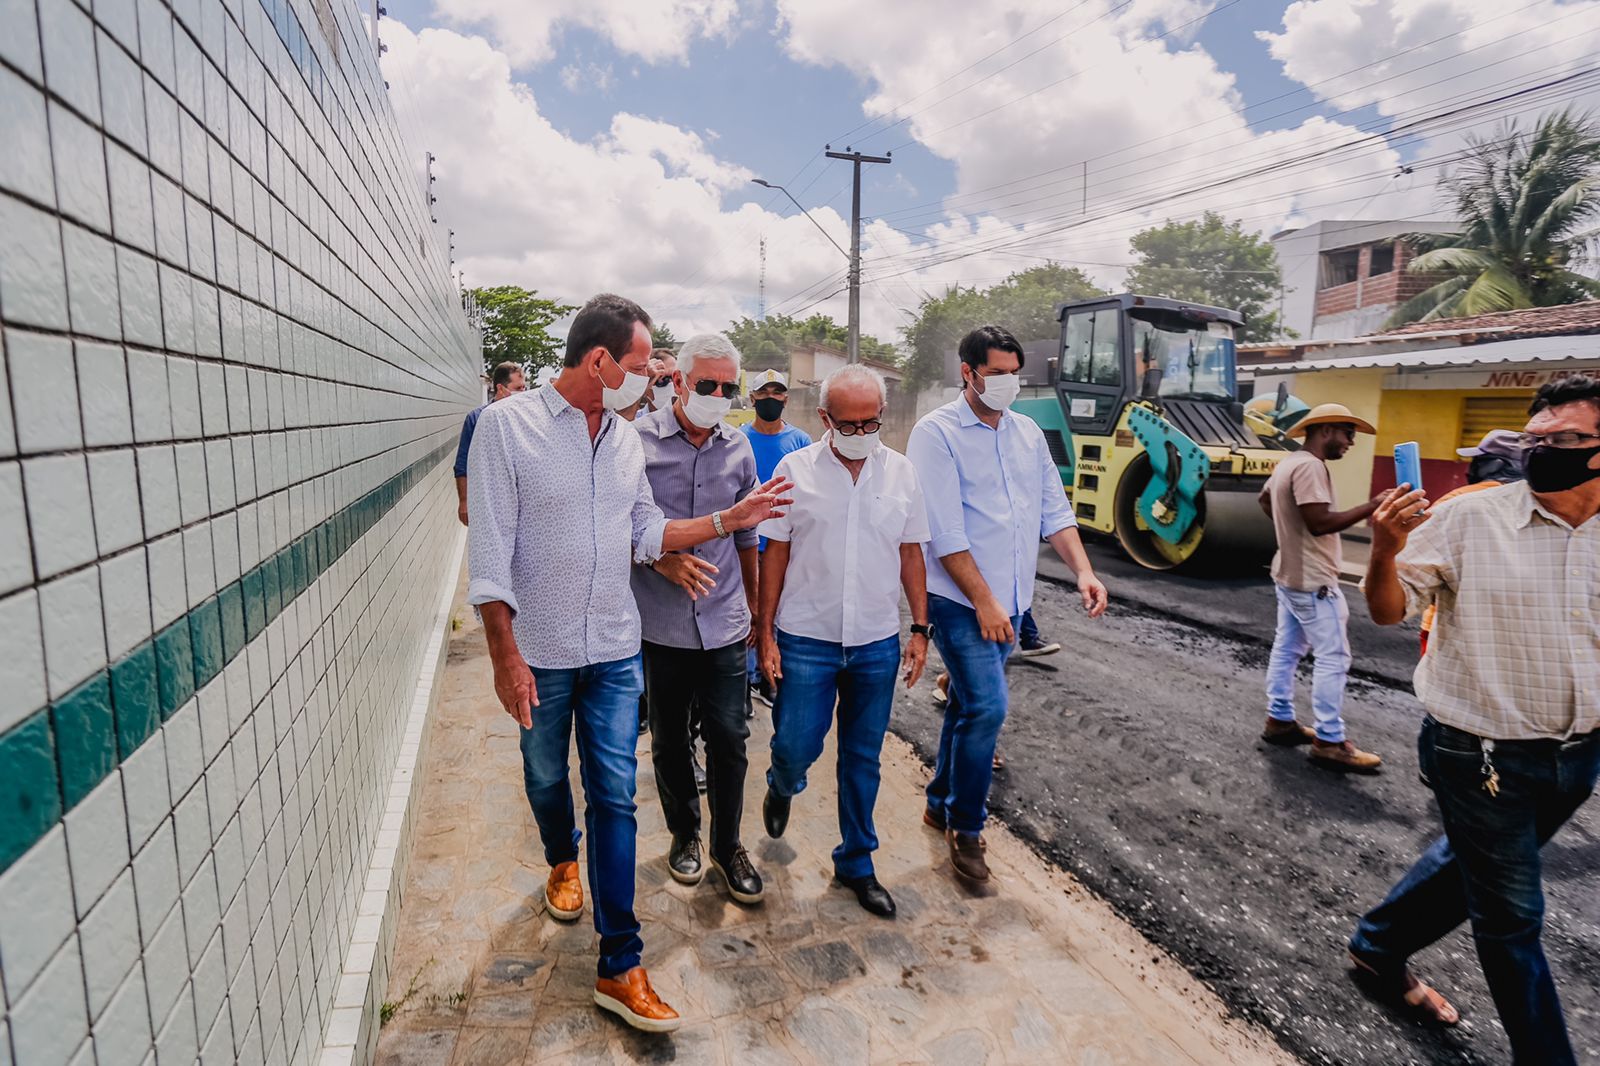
(850, 429)
(664, 379)
(726, 389)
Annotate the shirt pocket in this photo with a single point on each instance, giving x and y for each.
(889, 512)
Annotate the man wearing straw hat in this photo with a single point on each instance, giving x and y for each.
(1312, 613)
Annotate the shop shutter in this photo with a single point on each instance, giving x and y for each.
(1480, 414)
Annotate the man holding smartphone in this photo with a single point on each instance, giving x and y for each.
(1312, 613)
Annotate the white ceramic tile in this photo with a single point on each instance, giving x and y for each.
(103, 391)
(25, 165)
(192, 143)
(166, 964)
(158, 489)
(38, 915)
(121, 92)
(184, 385)
(33, 279)
(218, 1046)
(144, 788)
(114, 491)
(213, 399)
(125, 596)
(155, 880)
(185, 758)
(152, 396)
(59, 512)
(177, 310)
(202, 914)
(20, 46)
(225, 544)
(80, 160)
(110, 939)
(138, 297)
(155, 40)
(132, 211)
(122, 1034)
(16, 555)
(199, 568)
(176, 1041)
(21, 658)
(121, 19)
(168, 593)
(171, 244)
(69, 67)
(51, 1019)
(207, 320)
(8, 432)
(97, 842)
(193, 832)
(74, 631)
(44, 391)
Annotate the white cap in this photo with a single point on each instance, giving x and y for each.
(768, 377)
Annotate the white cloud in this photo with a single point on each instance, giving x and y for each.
(588, 77)
(653, 30)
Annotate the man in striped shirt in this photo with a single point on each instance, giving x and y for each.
(1511, 683)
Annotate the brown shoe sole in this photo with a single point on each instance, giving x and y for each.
(1287, 738)
(1342, 766)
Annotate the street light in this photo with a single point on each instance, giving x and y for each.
(803, 211)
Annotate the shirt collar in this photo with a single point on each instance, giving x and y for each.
(1522, 505)
(555, 402)
(968, 417)
(664, 424)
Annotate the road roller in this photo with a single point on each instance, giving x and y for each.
(1139, 406)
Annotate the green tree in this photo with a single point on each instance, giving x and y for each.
(661, 336)
(765, 342)
(1024, 303)
(516, 323)
(1214, 262)
(1525, 200)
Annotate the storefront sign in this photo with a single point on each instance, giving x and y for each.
(1526, 376)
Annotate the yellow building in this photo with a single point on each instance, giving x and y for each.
(1443, 384)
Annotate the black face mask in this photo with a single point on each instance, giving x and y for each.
(769, 409)
(1559, 469)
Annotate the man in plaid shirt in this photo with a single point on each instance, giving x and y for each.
(1511, 683)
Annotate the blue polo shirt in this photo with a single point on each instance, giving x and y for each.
(467, 429)
(771, 447)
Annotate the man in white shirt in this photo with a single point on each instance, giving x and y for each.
(560, 506)
(992, 493)
(830, 614)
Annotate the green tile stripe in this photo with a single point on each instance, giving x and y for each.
(58, 754)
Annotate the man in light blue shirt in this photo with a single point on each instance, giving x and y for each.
(992, 492)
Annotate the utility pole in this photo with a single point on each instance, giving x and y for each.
(855, 242)
(761, 285)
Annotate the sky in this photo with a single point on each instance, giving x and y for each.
(611, 145)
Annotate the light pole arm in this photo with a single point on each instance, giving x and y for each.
(803, 211)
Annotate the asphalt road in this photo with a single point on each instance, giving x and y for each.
(1134, 762)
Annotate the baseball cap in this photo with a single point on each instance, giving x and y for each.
(1501, 442)
(768, 377)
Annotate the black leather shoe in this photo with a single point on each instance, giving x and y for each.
(744, 884)
(683, 861)
(775, 813)
(872, 896)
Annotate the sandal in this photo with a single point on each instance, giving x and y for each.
(1415, 998)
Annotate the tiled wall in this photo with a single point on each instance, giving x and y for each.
(234, 367)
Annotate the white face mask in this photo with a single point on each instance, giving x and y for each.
(705, 411)
(859, 446)
(1000, 391)
(633, 386)
(662, 396)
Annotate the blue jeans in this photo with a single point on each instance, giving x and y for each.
(1316, 622)
(1486, 868)
(603, 699)
(861, 679)
(959, 792)
(1028, 629)
(752, 668)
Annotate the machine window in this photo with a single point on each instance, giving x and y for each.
(1093, 354)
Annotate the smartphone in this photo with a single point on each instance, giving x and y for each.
(1408, 465)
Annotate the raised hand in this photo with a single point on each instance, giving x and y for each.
(767, 501)
(1395, 518)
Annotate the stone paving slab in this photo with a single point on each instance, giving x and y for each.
(1031, 969)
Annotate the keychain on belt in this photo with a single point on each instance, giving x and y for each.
(1491, 776)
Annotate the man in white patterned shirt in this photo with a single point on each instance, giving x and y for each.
(1511, 683)
(560, 508)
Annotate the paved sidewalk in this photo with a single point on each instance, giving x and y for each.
(1031, 970)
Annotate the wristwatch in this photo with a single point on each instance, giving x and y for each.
(716, 524)
(918, 629)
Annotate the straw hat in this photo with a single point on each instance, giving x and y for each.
(1330, 414)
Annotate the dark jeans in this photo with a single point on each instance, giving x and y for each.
(816, 674)
(602, 700)
(1028, 629)
(712, 683)
(973, 715)
(1486, 869)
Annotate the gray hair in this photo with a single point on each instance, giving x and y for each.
(706, 346)
(853, 373)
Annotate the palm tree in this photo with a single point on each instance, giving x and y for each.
(1526, 200)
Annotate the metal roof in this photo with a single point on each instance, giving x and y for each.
(1527, 350)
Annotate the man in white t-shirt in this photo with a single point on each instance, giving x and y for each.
(1312, 613)
(829, 615)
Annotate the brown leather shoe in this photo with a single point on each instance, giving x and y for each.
(1286, 734)
(1345, 756)
(932, 820)
(563, 892)
(630, 997)
(966, 855)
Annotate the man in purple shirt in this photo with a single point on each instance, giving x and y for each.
(694, 645)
